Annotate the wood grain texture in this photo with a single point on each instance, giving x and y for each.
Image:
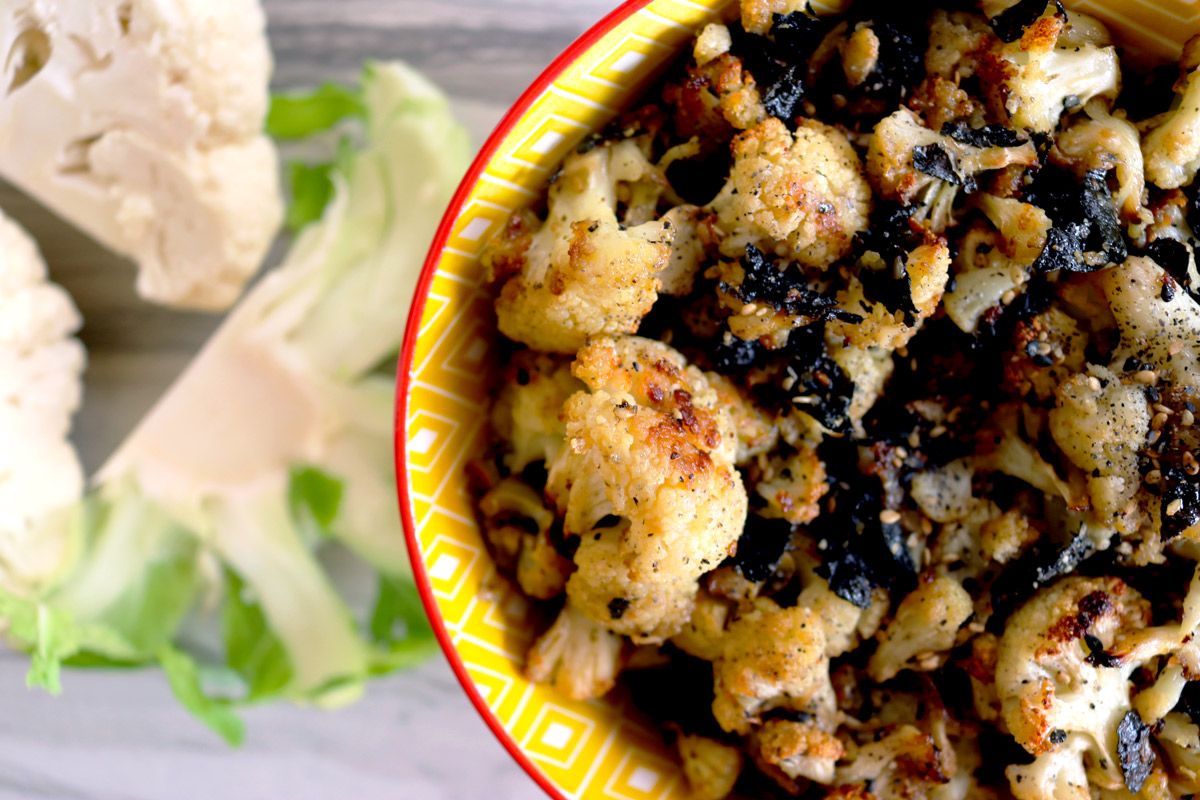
(120, 735)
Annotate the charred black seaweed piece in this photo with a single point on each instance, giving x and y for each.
(1177, 485)
(862, 552)
(820, 389)
(783, 289)
(1134, 750)
(760, 547)
(1010, 24)
(987, 136)
(1084, 221)
(1032, 571)
(783, 97)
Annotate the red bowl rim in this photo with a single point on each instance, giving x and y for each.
(404, 367)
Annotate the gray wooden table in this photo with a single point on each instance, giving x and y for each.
(120, 735)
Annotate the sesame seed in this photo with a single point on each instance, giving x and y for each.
(938, 430)
(762, 312)
(889, 517)
(1174, 507)
(1146, 376)
(1160, 408)
(1094, 384)
(749, 308)
(1187, 418)
(1158, 421)
(1153, 476)
(1174, 347)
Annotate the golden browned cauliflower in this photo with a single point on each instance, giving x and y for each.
(793, 486)
(710, 767)
(1057, 703)
(525, 415)
(648, 443)
(516, 526)
(796, 749)
(1023, 227)
(581, 274)
(717, 97)
(1100, 424)
(1046, 349)
(955, 40)
(576, 656)
(756, 430)
(900, 148)
(1172, 148)
(1037, 78)
(802, 196)
(774, 658)
(926, 624)
(704, 634)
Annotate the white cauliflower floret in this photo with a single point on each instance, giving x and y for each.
(801, 195)
(926, 623)
(901, 146)
(1100, 424)
(1035, 79)
(1172, 147)
(984, 276)
(536, 386)
(40, 388)
(797, 749)
(868, 368)
(580, 274)
(774, 658)
(579, 658)
(710, 767)
(906, 763)
(141, 122)
(1023, 227)
(1047, 687)
(1058, 775)
(648, 443)
(840, 619)
(1158, 332)
(1104, 142)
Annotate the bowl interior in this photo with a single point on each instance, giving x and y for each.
(573, 749)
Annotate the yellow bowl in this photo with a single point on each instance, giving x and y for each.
(595, 749)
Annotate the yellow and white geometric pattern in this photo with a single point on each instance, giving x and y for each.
(585, 749)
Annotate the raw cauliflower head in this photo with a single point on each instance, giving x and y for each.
(581, 273)
(1051, 693)
(773, 658)
(141, 122)
(801, 195)
(649, 444)
(40, 388)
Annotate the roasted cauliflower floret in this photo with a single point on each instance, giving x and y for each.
(717, 97)
(1172, 148)
(801, 195)
(793, 486)
(516, 525)
(1105, 142)
(759, 15)
(985, 277)
(774, 658)
(955, 40)
(648, 443)
(577, 657)
(1034, 80)
(756, 430)
(1046, 349)
(927, 268)
(1156, 331)
(911, 164)
(1100, 424)
(536, 386)
(704, 634)
(580, 274)
(710, 767)
(926, 623)
(1048, 686)
(1023, 227)
(797, 749)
